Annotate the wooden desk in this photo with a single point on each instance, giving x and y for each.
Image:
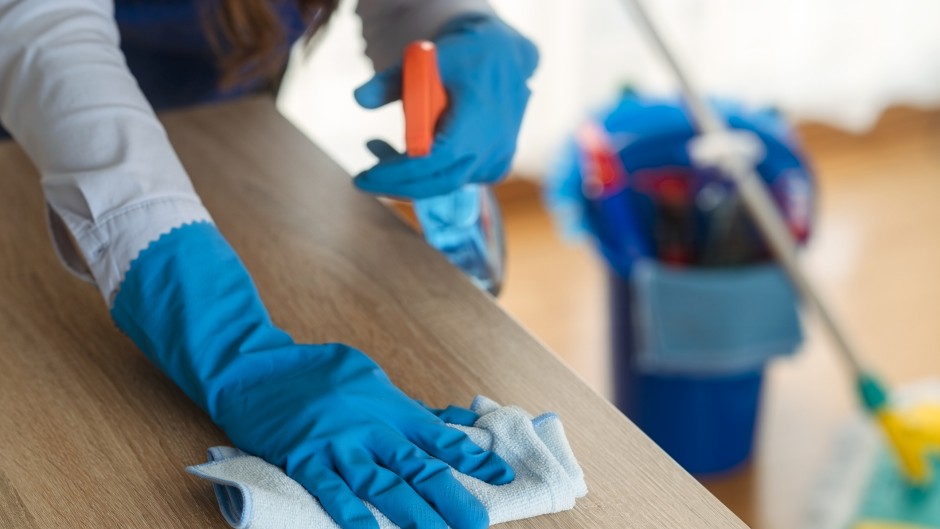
(92, 435)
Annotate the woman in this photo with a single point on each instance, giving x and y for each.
(75, 79)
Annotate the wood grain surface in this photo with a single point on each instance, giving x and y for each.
(92, 435)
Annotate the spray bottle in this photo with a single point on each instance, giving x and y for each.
(465, 225)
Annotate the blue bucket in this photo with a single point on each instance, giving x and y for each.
(705, 423)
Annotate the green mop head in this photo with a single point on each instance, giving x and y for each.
(863, 488)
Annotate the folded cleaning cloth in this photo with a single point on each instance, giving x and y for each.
(712, 321)
(254, 494)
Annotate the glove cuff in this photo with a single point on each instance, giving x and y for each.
(190, 305)
(499, 34)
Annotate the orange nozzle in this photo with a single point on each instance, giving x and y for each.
(423, 96)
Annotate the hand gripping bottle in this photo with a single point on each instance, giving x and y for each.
(465, 225)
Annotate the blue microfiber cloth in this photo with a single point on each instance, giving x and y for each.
(717, 321)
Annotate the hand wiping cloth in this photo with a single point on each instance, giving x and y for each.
(254, 494)
(325, 413)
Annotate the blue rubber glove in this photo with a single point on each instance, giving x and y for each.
(327, 414)
(485, 66)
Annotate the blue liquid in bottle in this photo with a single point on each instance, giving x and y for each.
(466, 226)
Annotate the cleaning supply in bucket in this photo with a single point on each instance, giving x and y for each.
(736, 155)
(464, 225)
(682, 278)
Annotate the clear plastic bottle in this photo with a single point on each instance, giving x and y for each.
(466, 226)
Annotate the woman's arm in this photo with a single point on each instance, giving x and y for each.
(109, 173)
(389, 25)
(327, 414)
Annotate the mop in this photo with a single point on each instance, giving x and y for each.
(887, 480)
(861, 487)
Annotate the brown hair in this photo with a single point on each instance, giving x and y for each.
(249, 41)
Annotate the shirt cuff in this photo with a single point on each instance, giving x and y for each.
(387, 33)
(110, 244)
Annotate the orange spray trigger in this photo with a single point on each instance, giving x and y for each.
(423, 96)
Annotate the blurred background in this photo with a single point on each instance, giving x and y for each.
(859, 81)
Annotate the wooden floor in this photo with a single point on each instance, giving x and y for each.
(876, 255)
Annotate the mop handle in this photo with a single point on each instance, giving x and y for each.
(757, 199)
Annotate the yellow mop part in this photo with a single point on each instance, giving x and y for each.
(863, 487)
